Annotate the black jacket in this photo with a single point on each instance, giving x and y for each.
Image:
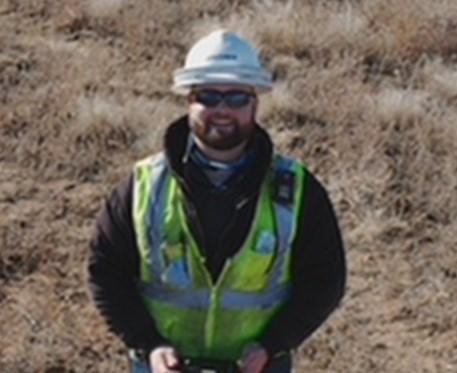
(220, 221)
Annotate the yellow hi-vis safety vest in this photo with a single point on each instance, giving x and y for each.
(200, 317)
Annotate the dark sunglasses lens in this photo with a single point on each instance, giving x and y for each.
(208, 98)
(237, 99)
(234, 100)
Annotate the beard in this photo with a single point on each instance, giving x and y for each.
(221, 135)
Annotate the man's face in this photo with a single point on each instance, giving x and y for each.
(222, 125)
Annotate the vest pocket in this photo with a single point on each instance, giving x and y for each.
(175, 269)
(250, 271)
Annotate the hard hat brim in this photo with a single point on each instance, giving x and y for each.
(184, 79)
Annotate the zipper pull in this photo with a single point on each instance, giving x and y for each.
(241, 203)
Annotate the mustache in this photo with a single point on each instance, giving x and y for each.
(216, 123)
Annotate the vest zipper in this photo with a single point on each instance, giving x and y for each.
(214, 295)
(214, 286)
(214, 305)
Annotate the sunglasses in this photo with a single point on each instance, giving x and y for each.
(233, 99)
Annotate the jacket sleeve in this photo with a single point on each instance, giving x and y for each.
(318, 274)
(113, 273)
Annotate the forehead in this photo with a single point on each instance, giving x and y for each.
(224, 87)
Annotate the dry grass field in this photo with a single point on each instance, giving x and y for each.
(366, 96)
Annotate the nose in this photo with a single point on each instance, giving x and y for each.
(221, 107)
(221, 113)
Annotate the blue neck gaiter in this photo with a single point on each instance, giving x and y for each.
(218, 173)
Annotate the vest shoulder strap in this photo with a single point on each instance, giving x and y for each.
(155, 160)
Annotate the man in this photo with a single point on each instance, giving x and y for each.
(217, 253)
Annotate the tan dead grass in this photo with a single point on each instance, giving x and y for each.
(365, 96)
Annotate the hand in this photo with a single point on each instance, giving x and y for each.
(164, 359)
(253, 359)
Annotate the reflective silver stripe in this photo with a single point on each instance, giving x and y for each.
(285, 223)
(284, 163)
(189, 298)
(158, 196)
(285, 219)
(242, 300)
(200, 299)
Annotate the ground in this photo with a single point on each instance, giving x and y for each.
(365, 94)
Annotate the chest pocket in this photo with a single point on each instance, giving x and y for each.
(251, 271)
(175, 266)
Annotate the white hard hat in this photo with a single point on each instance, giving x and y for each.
(222, 57)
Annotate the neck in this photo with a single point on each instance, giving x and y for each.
(222, 155)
